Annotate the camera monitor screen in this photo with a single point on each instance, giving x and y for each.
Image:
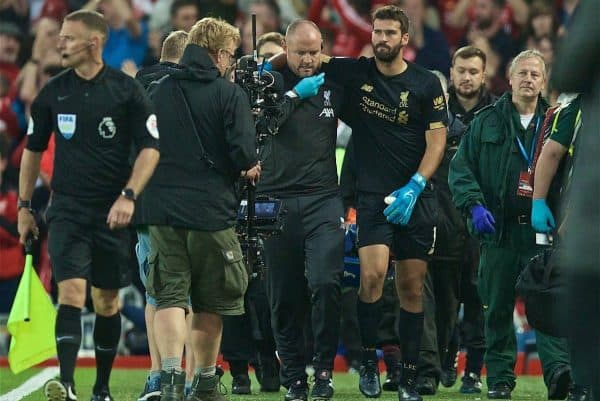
(262, 209)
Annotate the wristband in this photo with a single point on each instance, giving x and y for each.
(24, 204)
(128, 193)
(419, 179)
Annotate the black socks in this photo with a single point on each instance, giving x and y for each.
(68, 339)
(107, 332)
(369, 316)
(410, 331)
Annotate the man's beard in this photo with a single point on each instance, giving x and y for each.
(385, 53)
(473, 93)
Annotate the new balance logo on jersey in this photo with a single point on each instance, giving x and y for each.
(327, 112)
(439, 103)
(367, 88)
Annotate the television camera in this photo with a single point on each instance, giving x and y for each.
(259, 218)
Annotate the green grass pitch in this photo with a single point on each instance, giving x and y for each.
(126, 385)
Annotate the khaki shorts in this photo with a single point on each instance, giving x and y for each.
(206, 267)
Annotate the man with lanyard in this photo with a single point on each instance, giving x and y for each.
(553, 172)
(490, 182)
(562, 126)
(397, 112)
(97, 114)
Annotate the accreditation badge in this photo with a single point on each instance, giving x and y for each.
(524, 188)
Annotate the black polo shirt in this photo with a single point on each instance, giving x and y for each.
(97, 125)
(300, 159)
(388, 116)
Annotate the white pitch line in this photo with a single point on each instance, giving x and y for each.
(32, 384)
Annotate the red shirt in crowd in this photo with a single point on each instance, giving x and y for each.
(12, 259)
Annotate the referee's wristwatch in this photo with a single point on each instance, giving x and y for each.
(24, 204)
(128, 193)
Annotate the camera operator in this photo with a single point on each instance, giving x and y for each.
(305, 262)
(191, 206)
(248, 339)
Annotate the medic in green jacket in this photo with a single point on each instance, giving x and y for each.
(490, 181)
(489, 163)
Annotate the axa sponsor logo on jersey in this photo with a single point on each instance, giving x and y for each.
(327, 111)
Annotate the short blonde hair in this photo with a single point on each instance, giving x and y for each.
(525, 54)
(173, 46)
(213, 34)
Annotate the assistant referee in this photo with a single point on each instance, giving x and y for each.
(97, 115)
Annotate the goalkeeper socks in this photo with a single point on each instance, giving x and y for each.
(410, 331)
(369, 316)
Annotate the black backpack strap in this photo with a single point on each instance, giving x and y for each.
(180, 97)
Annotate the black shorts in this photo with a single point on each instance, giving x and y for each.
(82, 246)
(414, 241)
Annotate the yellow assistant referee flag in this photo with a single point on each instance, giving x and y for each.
(31, 322)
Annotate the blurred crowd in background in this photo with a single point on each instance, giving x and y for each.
(29, 32)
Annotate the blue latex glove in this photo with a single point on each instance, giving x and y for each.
(265, 66)
(309, 86)
(542, 220)
(401, 208)
(483, 221)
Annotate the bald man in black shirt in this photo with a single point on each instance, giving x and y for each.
(305, 261)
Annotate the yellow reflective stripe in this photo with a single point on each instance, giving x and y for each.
(555, 122)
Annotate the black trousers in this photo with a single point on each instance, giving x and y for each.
(248, 338)
(349, 329)
(304, 270)
(449, 283)
(472, 330)
(440, 305)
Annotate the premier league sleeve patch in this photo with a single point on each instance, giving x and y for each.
(151, 126)
(67, 123)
